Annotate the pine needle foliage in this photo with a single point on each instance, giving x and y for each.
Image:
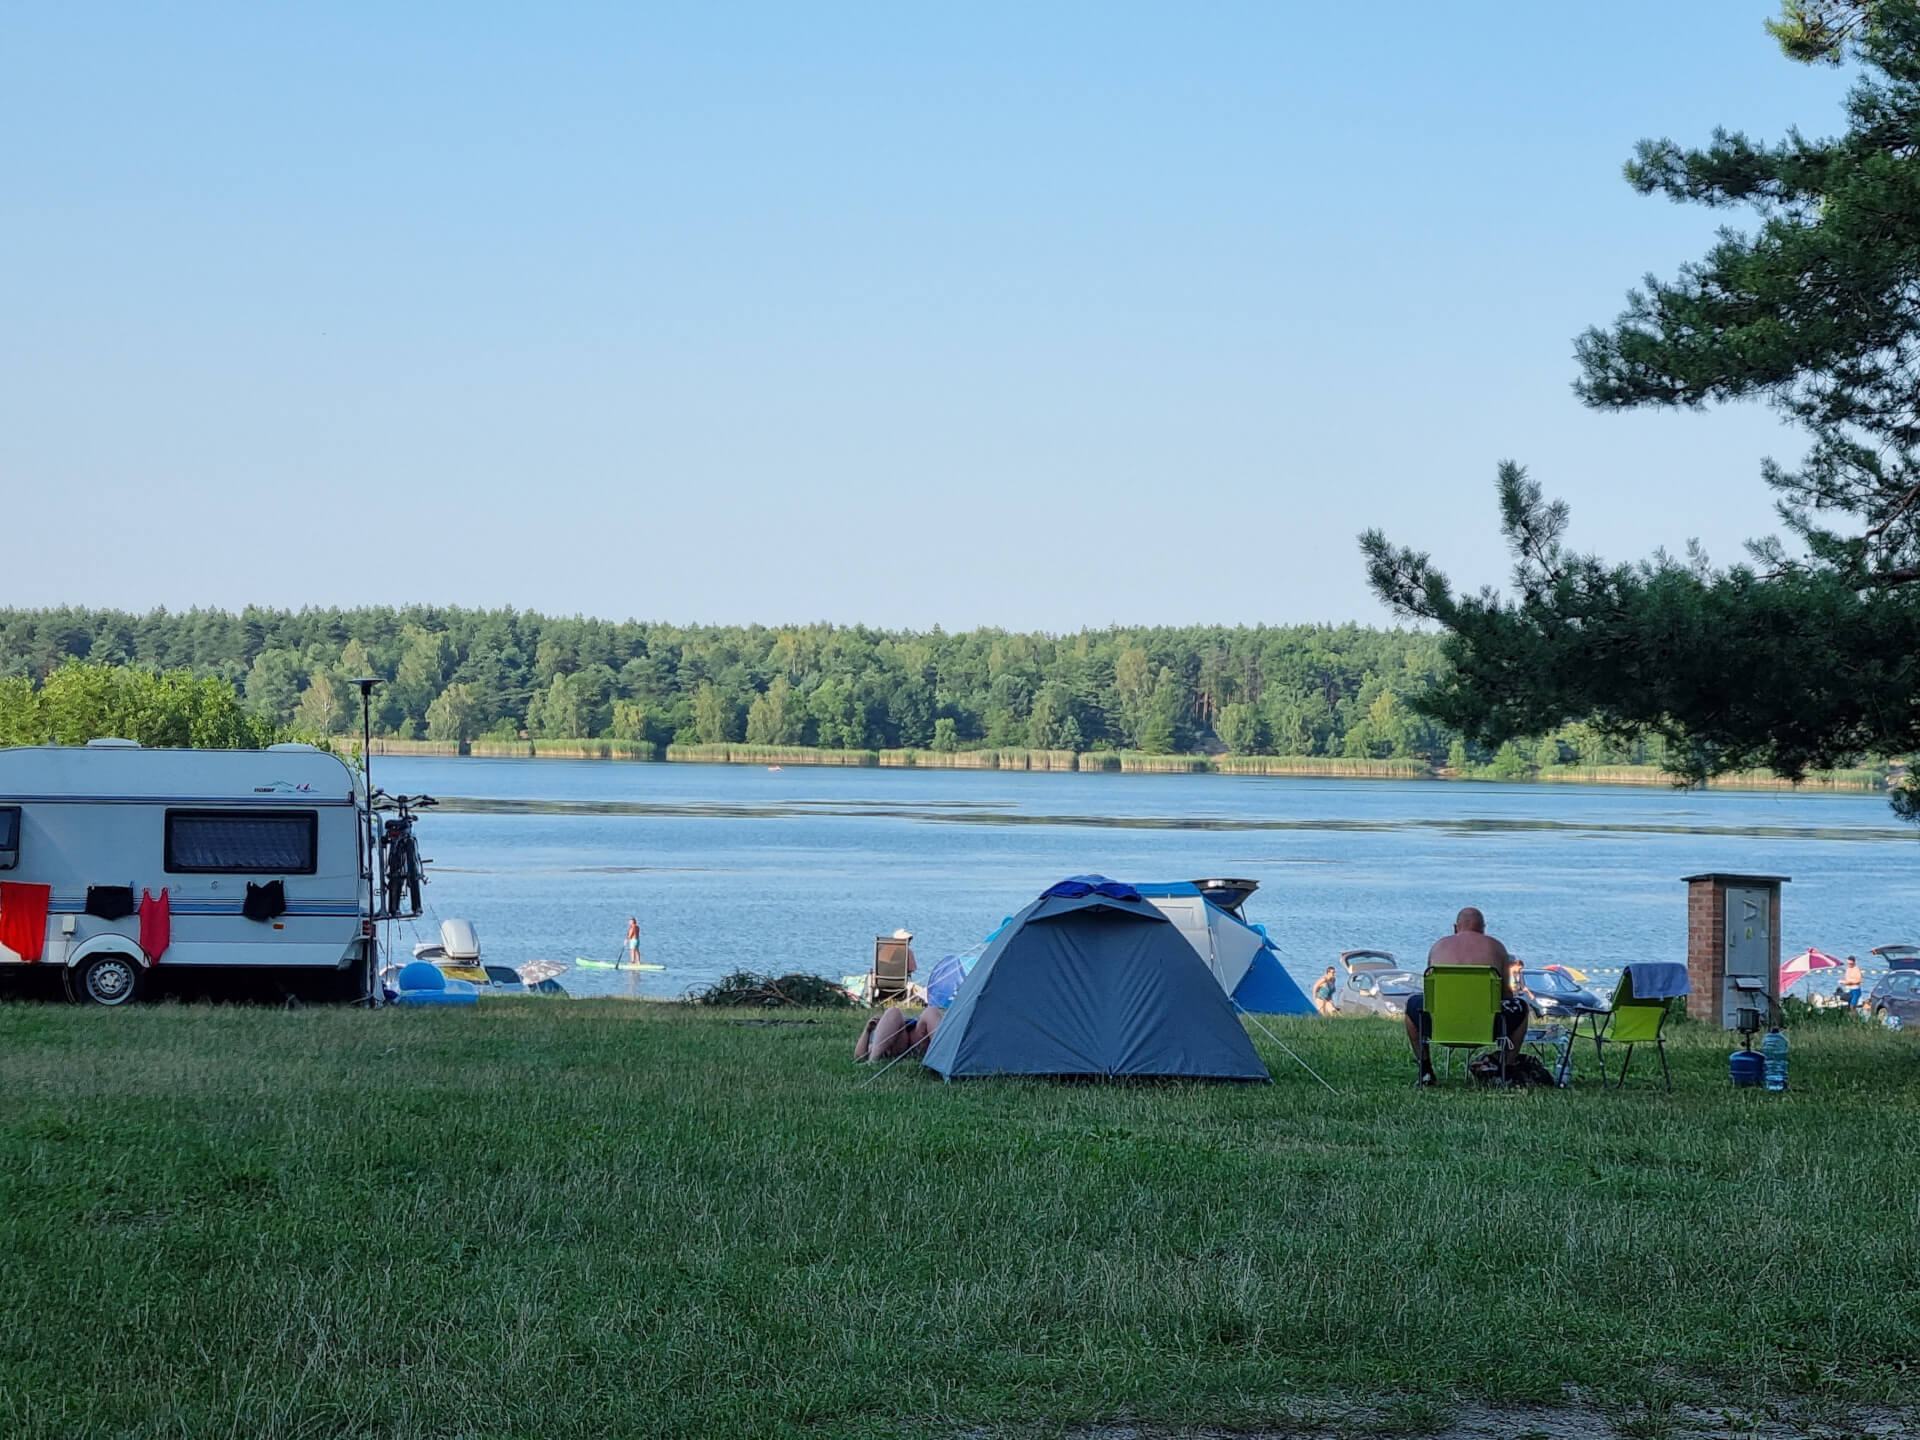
(1806, 655)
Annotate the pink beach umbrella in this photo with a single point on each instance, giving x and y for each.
(1804, 964)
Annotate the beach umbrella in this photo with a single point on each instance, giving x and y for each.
(1804, 964)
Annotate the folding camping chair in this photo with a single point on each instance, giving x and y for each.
(888, 983)
(1462, 1008)
(1632, 1022)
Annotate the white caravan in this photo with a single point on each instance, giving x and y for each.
(261, 854)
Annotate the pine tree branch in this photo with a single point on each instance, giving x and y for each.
(1906, 502)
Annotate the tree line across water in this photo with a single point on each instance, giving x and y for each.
(212, 677)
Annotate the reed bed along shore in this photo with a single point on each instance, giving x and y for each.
(593, 1218)
(1862, 778)
(1087, 761)
(1130, 762)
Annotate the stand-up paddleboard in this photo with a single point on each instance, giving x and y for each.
(614, 964)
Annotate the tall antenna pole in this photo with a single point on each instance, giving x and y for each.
(366, 684)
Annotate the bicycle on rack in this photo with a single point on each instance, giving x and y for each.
(399, 859)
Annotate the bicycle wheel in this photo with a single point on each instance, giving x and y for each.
(396, 876)
(413, 873)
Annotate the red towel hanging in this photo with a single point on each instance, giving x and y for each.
(156, 925)
(23, 918)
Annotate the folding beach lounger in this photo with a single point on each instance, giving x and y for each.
(889, 984)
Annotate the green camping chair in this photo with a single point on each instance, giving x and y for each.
(1632, 1022)
(1463, 1006)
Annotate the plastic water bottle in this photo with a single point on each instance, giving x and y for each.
(1563, 1063)
(1773, 1054)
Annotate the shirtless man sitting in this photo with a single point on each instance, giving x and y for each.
(1469, 944)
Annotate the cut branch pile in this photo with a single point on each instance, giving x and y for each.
(746, 988)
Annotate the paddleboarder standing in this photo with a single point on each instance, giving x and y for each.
(633, 941)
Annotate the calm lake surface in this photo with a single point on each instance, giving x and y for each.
(731, 867)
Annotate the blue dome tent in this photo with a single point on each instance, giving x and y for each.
(1267, 988)
(1240, 955)
(1090, 979)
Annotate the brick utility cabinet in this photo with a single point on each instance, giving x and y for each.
(1733, 932)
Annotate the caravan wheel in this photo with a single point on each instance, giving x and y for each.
(105, 980)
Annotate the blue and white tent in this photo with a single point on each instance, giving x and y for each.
(1240, 956)
(1090, 979)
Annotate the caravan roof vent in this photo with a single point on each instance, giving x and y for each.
(296, 745)
(111, 742)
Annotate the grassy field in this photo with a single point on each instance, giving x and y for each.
(552, 1219)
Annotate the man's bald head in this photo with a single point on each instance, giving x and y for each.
(1470, 919)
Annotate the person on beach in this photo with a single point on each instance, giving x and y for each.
(633, 940)
(893, 1033)
(1469, 944)
(1323, 993)
(1854, 981)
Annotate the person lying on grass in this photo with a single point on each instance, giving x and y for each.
(1469, 944)
(893, 1034)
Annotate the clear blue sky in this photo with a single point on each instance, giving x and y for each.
(1036, 315)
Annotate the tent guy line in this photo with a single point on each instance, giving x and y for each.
(1284, 1046)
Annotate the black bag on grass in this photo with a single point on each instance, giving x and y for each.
(1522, 1069)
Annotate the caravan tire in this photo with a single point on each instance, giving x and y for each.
(105, 980)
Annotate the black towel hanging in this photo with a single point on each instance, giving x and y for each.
(110, 902)
(264, 902)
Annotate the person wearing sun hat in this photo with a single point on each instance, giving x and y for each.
(891, 1034)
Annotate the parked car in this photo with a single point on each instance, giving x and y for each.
(1895, 1000)
(1377, 984)
(1898, 957)
(1555, 995)
(504, 980)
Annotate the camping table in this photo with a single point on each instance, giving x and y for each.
(1545, 1042)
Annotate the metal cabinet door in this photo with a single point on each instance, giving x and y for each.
(1749, 940)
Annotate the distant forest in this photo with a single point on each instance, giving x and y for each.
(458, 675)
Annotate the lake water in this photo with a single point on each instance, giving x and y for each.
(731, 867)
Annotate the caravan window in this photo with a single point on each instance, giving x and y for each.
(242, 842)
(9, 836)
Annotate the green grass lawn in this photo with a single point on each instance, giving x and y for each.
(581, 1219)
